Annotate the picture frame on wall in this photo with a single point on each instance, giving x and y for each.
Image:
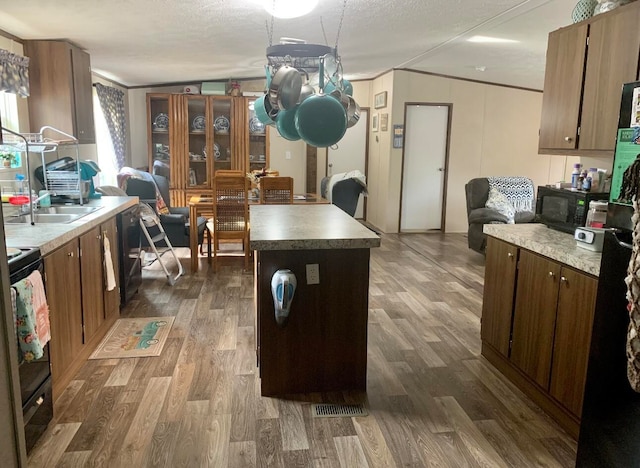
(384, 122)
(374, 123)
(380, 100)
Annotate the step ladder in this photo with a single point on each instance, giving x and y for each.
(148, 219)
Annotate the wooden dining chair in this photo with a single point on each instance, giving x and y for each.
(228, 172)
(230, 213)
(276, 190)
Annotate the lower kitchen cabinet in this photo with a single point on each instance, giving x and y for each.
(81, 308)
(537, 318)
(499, 284)
(91, 268)
(62, 269)
(574, 321)
(94, 310)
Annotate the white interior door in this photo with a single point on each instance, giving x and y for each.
(351, 154)
(423, 172)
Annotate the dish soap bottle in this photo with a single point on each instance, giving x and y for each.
(575, 175)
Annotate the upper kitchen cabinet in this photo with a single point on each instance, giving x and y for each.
(587, 63)
(61, 88)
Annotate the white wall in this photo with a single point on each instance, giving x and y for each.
(494, 131)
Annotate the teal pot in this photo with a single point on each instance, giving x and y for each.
(321, 120)
(286, 124)
(344, 86)
(264, 111)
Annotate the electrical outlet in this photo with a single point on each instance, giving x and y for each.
(313, 273)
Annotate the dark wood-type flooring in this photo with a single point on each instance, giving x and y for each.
(432, 399)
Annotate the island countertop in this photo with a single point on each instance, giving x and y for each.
(307, 227)
(49, 236)
(556, 245)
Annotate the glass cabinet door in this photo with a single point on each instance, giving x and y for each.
(159, 124)
(198, 152)
(258, 143)
(222, 137)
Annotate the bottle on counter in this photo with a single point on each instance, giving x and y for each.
(595, 179)
(575, 175)
(597, 214)
(586, 183)
(21, 187)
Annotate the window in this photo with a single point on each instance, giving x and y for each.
(9, 110)
(9, 118)
(106, 154)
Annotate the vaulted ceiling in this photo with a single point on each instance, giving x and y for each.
(146, 42)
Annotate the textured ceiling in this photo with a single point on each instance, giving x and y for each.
(145, 42)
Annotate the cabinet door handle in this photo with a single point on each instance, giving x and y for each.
(563, 279)
(568, 139)
(551, 274)
(70, 254)
(510, 255)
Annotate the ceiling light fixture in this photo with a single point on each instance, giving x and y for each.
(289, 8)
(490, 40)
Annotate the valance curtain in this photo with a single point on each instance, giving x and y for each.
(14, 73)
(112, 104)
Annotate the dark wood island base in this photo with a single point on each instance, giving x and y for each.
(323, 346)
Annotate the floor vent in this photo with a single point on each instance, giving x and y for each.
(325, 410)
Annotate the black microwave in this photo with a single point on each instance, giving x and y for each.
(564, 209)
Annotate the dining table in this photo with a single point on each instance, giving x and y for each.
(202, 205)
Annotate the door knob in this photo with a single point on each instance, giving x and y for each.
(568, 139)
(441, 169)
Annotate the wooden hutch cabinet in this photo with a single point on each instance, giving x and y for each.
(192, 136)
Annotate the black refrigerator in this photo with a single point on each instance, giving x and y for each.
(610, 426)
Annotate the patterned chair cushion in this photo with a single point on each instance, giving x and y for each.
(499, 202)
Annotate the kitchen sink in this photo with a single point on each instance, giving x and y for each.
(44, 218)
(65, 209)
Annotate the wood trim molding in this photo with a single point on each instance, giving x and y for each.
(411, 70)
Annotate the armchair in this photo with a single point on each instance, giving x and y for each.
(520, 193)
(344, 189)
(176, 222)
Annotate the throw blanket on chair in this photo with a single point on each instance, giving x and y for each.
(518, 190)
(128, 172)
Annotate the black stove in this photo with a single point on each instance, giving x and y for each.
(21, 258)
(35, 376)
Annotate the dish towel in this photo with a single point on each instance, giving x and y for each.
(32, 317)
(108, 265)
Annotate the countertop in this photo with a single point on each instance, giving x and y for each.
(550, 243)
(307, 227)
(49, 237)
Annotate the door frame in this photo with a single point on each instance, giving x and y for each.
(446, 160)
(366, 160)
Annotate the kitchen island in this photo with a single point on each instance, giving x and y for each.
(323, 345)
(537, 314)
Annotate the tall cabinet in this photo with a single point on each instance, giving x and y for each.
(61, 89)
(192, 136)
(587, 63)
